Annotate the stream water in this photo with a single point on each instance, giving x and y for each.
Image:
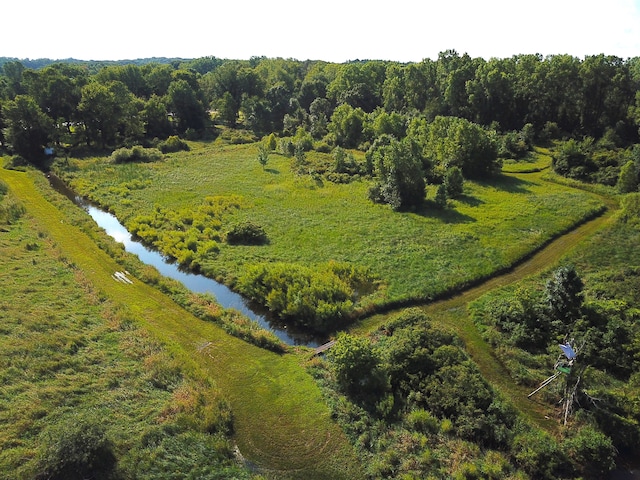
(194, 282)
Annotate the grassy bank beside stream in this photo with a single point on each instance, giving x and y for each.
(280, 421)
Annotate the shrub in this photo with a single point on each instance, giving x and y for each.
(286, 147)
(538, 454)
(592, 451)
(454, 182)
(247, 234)
(270, 142)
(317, 297)
(422, 421)
(10, 211)
(136, 154)
(74, 449)
(173, 144)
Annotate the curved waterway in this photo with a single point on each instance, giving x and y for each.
(226, 297)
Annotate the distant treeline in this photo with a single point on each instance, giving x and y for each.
(111, 104)
(92, 65)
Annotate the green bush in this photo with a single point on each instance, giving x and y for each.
(422, 421)
(320, 298)
(136, 154)
(591, 450)
(538, 454)
(10, 210)
(173, 144)
(75, 448)
(247, 234)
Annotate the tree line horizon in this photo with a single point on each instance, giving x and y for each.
(354, 105)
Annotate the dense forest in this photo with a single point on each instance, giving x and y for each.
(455, 111)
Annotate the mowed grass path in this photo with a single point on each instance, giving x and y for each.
(281, 422)
(308, 220)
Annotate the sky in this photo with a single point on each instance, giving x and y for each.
(331, 30)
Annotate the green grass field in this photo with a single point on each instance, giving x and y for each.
(280, 421)
(418, 255)
(70, 355)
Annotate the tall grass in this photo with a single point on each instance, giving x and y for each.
(71, 357)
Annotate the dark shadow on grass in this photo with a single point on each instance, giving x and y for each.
(430, 209)
(274, 171)
(506, 183)
(469, 200)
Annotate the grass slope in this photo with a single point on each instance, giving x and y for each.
(281, 423)
(418, 254)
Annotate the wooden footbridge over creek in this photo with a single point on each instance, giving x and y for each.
(324, 347)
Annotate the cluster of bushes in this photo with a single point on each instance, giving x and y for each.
(411, 401)
(599, 162)
(187, 236)
(136, 154)
(247, 233)
(321, 297)
(412, 364)
(517, 145)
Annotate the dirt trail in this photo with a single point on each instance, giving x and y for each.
(453, 313)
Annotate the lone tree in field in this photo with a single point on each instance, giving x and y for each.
(398, 168)
(263, 155)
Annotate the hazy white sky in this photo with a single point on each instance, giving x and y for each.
(332, 30)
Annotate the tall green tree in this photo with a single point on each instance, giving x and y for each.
(399, 175)
(186, 105)
(456, 142)
(58, 90)
(28, 129)
(12, 72)
(347, 125)
(628, 178)
(356, 366)
(564, 294)
(155, 118)
(110, 113)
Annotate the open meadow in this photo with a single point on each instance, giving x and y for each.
(309, 220)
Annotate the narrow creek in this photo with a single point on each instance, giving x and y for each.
(226, 297)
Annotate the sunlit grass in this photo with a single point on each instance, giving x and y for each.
(310, 220)
(280, 420)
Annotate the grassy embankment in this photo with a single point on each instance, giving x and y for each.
(280, 420)
(418, 255)
(76, 373)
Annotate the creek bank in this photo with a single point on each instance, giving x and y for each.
(197, 283)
